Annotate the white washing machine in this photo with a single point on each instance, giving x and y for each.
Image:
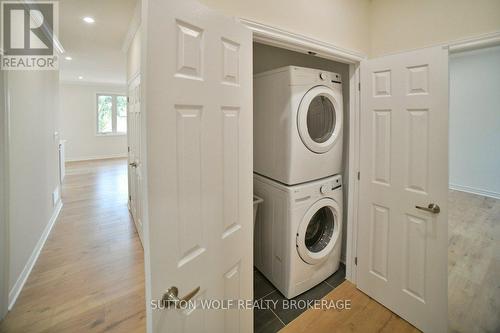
(298, 232)
(297, 124)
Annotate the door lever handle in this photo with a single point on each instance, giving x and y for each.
(133, 165)
(170, 297)
(432, 208)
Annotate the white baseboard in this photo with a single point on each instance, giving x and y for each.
(98, 157)
(474, 190)
(18, 286)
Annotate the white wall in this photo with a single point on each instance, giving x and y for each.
(33, 167)
(397, 25)
(4, 245)
(78, 123)
(373, 27)
(267, 57)
(475, 121)
(340, 22)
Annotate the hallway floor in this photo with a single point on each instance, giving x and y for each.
(364, 316)
(473, 279)
(473, 263)
(90, 274)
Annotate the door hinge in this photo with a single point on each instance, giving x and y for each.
(129, 198)
(356, 261)
(359, 175)
(359, 86)
(128, 99)
(128, 149)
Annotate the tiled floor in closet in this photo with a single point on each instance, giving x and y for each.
(273, 319)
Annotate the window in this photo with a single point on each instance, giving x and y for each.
(111, 114)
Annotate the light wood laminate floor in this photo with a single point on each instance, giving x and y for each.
(473, 263)
(90, 274)
(473, 280)
(365, 316)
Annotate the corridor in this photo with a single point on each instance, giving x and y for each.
(90, 274)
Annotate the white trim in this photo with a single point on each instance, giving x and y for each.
(4, 196)
(111, 134)
(97, 157)
(94, 83)
(135, 23)
(21, 280)
(458, 45)
(134, 77)
(266, 34)
(58, 46)
(474, 190)
(279, 38)
(353, 165)
(474, 43)
(144, 162)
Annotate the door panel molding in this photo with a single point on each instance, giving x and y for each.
(199, 176)
(403, 251)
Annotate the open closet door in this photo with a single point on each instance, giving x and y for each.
(134, 129)
(403, 235)
(198, 103)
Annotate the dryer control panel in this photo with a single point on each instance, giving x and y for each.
(330, 77)
(308, 76)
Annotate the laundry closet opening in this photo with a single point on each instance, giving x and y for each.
(301, 144)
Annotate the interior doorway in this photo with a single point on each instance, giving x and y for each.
(269, 59)
(474, 198)
(76, 259)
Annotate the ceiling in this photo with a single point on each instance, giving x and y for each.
(96, 48)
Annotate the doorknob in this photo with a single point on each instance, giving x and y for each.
(170, 297)
(432, 208)
(133, 165)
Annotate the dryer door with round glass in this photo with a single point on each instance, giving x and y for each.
(319, 231)
(319, 119)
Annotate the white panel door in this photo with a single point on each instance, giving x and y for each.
(198, 95)
(134, 153)
(402, 250)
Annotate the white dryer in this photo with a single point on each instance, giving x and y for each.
(297, 124)
(298, 232)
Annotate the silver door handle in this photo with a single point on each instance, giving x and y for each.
(133, 165)
(170, 297)
(432, 208)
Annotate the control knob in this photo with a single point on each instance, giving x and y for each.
(325, 189)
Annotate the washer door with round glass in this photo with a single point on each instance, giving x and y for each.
(319, 119)
(319, 231)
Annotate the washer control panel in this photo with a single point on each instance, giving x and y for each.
(317, 189)
(325, 189)
(331, 186)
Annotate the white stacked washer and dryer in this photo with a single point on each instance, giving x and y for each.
(297, 165)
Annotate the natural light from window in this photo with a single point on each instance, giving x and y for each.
(111, 114)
